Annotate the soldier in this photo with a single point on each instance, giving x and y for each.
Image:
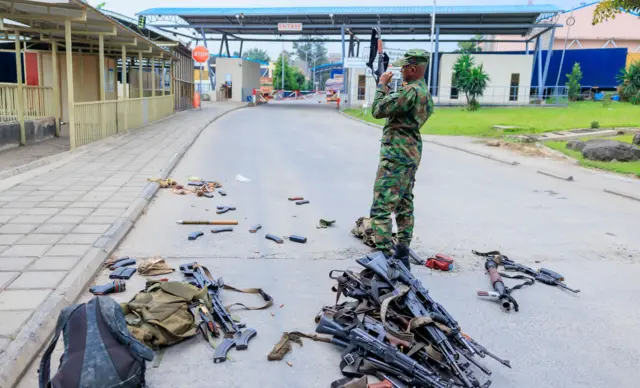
(400, 151)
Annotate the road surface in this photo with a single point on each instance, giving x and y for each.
(463, 202)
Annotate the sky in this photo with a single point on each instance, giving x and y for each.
(130, 8)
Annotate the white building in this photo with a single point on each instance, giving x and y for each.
(509, 80)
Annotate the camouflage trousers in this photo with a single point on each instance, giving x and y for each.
(392, 193)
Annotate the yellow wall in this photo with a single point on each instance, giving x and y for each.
(632, 57)
(86, 87)
(205, 74)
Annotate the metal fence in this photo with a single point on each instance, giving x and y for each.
(98, 120)
(493, 96)
(37, 102)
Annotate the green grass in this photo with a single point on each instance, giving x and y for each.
(619, 167)
(457, 121)
(622, 138)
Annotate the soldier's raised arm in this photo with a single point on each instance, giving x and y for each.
(388, 104)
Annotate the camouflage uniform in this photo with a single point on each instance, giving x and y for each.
(401, 149)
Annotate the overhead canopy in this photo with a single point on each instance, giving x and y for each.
(45, 21)
(409, 20)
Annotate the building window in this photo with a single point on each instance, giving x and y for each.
(515, 86)
(361, 87)
(454, 90)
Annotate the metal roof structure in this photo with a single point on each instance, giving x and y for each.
(396, 20)
(45, 22)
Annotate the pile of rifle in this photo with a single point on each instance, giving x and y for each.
(395, 331)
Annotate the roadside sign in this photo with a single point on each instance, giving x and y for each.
(200, 54)
(289, 26)
(354, 63)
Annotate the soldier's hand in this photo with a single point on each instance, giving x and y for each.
(385, 78)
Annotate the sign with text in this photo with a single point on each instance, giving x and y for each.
(200, 54)
(289, 26)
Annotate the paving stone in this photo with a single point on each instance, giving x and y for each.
(43, 192)
(96, 196)
(107, 212)
(29, 219)
(11, 212)
(76, 211)
(17, 228)
(6, 278)
(68, 197)
(12, 321)
(54, 204)
(80, 238)
(15, 263)
(21, 204)
(40, 239)
(85, 204)
(4, 342)
(115, 205)
(107, 189)
(43, 279)
(100, 220)
(8, 239)
(86, 228)
(54, 263)
(65, 219)
(6, 197)
(22, 299)
(55, 228)
(41, 211)
(38, 198)
(5, 219)
(26, 251)
(68, 250)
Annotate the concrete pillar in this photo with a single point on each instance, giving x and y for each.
(70, 96)
(436, 62)
(140, 78)
(125, 95)
(153, 88)
(103, 119)
(56, 85)
(20, 92)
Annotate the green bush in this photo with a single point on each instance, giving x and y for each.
(629, 79)
(595, 124)
(573, 82)
(470, 79)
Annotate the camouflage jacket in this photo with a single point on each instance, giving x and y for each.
(406, 112)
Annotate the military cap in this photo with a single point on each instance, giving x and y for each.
(414, 57)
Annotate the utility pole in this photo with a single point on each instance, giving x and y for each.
(283, 67)
(433, 26)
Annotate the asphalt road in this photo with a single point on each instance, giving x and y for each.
(463, 202)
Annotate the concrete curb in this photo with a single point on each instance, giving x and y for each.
(561, 155)
(554, 175)
(633, 197)
(26, 346)
(511, 163)
(483, 155)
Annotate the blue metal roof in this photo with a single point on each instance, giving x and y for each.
(360, 10)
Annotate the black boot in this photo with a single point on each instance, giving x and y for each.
(402, 255)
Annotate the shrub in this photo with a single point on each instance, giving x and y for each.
(573, 82)
(470, 79)
(629, 79)
(595, 124)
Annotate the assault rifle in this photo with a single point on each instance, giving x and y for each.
(375, 50)
(359, 345)
(236, 335)
(420, 304)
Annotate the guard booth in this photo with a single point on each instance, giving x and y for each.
(52, 41)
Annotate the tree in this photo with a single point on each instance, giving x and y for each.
(257, 54)
(101, 5)
(608, 9)
(306, 51)
(573, 82)
(470, 79)
(290, 78)
(629, 79)
(472, 46)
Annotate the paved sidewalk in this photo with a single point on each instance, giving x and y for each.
(59, 225)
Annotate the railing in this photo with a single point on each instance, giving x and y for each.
(101, 119)
(38, 102)
(184, 91)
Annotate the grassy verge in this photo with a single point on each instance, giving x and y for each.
(457, 121)
(619, 167)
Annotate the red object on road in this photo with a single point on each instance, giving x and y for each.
(440, 262)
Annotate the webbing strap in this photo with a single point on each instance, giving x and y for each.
(259, 291)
